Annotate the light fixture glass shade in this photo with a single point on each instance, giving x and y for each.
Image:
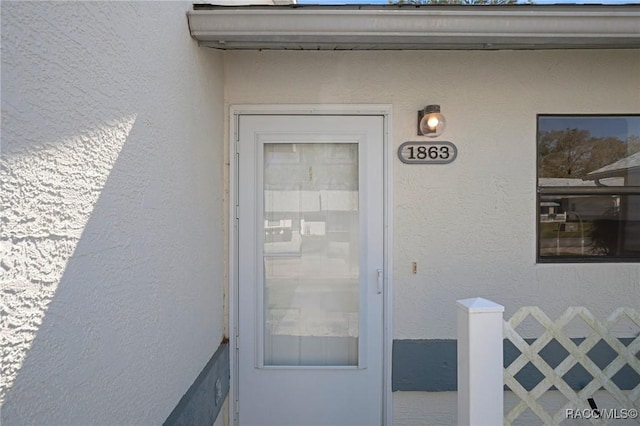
(432, 123)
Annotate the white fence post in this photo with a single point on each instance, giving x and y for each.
(480, 363)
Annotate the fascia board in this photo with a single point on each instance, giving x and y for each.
(384, 28)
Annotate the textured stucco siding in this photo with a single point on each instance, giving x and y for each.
(470, 225)
(112, 220)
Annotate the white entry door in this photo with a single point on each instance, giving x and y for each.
(310, 279)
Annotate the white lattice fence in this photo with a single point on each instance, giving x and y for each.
(577, 354)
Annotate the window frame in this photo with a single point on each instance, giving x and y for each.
(576, 191)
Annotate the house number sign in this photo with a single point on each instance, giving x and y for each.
(422, 152)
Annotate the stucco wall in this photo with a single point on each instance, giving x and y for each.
(469, 225)
(112, 214)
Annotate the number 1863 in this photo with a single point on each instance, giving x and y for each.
(427, 152)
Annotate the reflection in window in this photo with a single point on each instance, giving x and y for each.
(311, 254)
(589, 188)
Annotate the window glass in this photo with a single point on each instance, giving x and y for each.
(589, 188)
(311, 254)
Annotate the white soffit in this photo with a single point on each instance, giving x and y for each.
(396, 27)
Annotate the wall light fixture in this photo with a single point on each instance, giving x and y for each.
(431, 122)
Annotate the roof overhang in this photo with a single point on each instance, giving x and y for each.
(400, 27)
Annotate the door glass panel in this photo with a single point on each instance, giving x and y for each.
(311, 254)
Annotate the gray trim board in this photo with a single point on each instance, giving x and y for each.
(424, 365)
(431, 365)
(201, 404)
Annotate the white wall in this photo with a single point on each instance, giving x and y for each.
(470, 225)
(112, 214)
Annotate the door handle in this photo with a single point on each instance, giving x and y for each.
(380, 280)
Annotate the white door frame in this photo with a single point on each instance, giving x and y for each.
(310, 109)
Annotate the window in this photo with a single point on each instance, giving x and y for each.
(589, 188)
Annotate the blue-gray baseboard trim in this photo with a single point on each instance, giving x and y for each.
(431, 365)
(203, 401)
(424, 365)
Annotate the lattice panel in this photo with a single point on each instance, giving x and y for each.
(577, 353)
